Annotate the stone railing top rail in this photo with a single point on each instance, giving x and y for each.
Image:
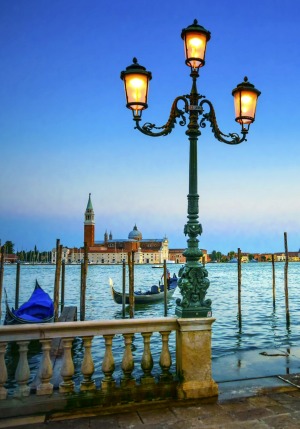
(87, 328)
(100, 327)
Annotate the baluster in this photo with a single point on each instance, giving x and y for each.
(87, 367)
(147, 360)
(45, 372)
(3, 371)
(108, 364)
(127, 362)
(22, 372)
(165, 361)
(67, 369)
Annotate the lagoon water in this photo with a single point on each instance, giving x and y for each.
(263, 327)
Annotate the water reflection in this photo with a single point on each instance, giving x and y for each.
(239, 334)
(263, 325)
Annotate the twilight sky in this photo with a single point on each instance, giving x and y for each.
(65, 130)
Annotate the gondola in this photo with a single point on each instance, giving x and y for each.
(38, 309)
(155, 294)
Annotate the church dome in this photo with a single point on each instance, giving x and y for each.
(135, 234)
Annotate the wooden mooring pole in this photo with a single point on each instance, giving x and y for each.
(239, 287)
(1, 275)
(286, 288)
(81, 283)
(17, 286)
(273, 278)
(131, 285)
(123, 289)
(132, 277)
(62, 292)
(57, 277)
(165, 289)
(84, 268)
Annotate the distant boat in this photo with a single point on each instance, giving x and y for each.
(157, 266)
(156, 293)
(233, 260)
(253, 260)
(38, 309)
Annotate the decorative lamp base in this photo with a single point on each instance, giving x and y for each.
(193, 312)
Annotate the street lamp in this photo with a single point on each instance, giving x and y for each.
(193, 282)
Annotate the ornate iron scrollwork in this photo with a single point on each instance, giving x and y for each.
(169, 125)
(211, 117)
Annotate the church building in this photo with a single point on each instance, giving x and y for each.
(114, 251)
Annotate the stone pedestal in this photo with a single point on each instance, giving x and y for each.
(193, 356)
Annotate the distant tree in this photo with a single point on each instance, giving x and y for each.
(9, 247)
(21, 255)
(224, 258)
(213, 255)
(250, 257)
(263, 258)
(231, 255)
(30, 256)
(44, 257)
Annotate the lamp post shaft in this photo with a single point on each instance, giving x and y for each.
(193, 175)
(193, 281)
(193, 228)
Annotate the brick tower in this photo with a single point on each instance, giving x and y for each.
(89, 224)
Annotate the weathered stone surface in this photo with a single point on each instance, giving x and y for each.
(253, 414)
(157, 416)
(194, 359)
(246, 413)
(282, 421)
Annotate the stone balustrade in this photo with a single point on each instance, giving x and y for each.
(191, 377)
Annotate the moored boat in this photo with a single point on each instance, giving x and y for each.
(155, 294)
(38, 309)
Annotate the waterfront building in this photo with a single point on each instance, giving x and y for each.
(244, 257)
(64, 256)
(10, 258)
(115, 250)
(176, 256)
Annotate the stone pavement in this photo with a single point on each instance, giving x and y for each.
(251, 395)
(271, 410)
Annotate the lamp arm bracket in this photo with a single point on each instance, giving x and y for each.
(169, 125)
(231, 138)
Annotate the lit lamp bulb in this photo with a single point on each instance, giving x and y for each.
(247, 103)
(136, 81)
(245, 100)
(136, 87)
(195, 38)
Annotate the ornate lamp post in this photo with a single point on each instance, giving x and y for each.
(193, 282)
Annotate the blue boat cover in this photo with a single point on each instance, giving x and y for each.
(38, 307)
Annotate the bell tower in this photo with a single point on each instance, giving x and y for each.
(89, 224)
